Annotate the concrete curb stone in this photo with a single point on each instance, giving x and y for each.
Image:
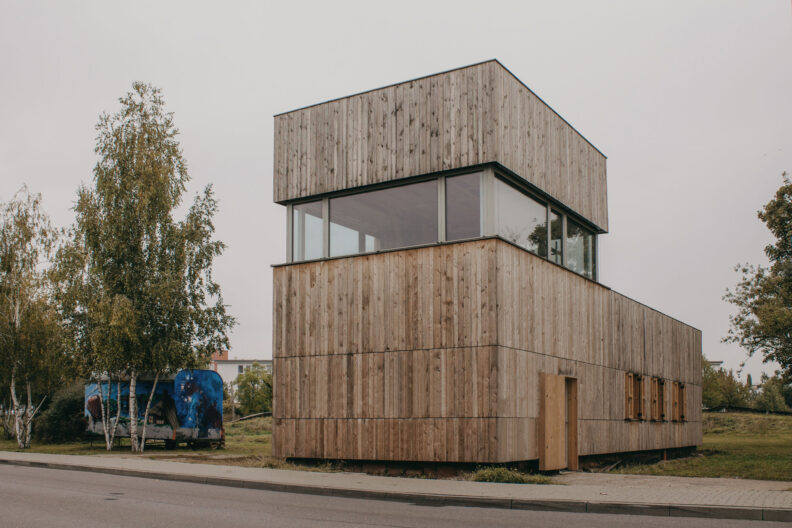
(655, 510)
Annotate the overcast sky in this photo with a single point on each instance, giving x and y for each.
(690, 101)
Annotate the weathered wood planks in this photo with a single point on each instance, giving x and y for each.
(472, 115)
(436, 354)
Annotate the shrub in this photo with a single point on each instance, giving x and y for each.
(509, 476)
(254, 390)
(64, 420)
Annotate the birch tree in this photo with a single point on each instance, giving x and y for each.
(97, 327)
(28, 326)
(146, 301)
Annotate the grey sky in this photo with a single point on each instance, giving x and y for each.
(690, 101)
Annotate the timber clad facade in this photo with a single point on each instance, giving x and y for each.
(452, 120)
(495, 347)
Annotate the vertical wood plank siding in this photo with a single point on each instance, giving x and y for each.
(451, 120)
(435, 354)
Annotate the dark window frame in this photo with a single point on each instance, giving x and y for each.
(487, 216)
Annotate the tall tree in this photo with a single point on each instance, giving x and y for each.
(29, 329)
(763, 297)
(145, 301)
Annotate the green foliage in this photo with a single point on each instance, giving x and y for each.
(136, 290)
(763, 296)
(509, 476)
(771, 396)
(32, 356)
(720, 387)
(254, 390)
(786, 390)
(63, 421)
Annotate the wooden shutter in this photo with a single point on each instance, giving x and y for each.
(640, 400)
(682, 402)
(655, 405)
(661, 398)
(628, 396)
(675, 401)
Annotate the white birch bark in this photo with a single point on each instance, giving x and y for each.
(23, 413)
(18, 412)
(133, 420)
(104, 416)
(118, 412)
(146, 414)
(30, 412)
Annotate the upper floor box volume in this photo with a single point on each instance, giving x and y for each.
(452, 120)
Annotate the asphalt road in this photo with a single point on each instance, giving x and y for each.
(33, 497)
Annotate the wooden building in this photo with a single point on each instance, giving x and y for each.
(440, 299)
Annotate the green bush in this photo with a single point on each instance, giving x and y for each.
(254, 390)
(509, 476)
(64, 420)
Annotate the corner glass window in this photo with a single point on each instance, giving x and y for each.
(556, 238)
(386, 219)
(521, 219)
(580, 249)
(463, 206)
(307, 231)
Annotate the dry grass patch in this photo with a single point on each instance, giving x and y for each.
(509, 476)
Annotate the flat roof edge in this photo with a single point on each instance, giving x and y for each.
(496, 61)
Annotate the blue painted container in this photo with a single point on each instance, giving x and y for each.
(187, 407)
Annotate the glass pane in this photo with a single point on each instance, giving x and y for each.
(556, 238)
(307, 231)
(463, 206)
(580, 249)
(521, 219)
(345, 241)
(386, 219)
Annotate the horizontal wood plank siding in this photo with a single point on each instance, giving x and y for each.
(452, 120)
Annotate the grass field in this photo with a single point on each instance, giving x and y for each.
(248, 438)
(738, 445)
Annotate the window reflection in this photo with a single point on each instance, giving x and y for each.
(385, 219)
(307, 231)
(556, 238)
(407, 215)
(580, 249)
(521, 219)
(463, 206)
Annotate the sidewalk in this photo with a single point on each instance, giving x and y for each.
(574, 492)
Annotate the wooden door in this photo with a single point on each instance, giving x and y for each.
(558, 423)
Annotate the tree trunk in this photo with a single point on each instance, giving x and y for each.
(19, 426)
(146, 414)
(233, 400)
(133, 418)
(30, 412)
(104, 414)
(118, 412)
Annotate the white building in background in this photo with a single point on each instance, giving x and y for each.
(229, 369)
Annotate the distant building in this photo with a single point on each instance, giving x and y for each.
(716, 364)
(229, 369)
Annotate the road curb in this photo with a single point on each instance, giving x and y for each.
(428, 499)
